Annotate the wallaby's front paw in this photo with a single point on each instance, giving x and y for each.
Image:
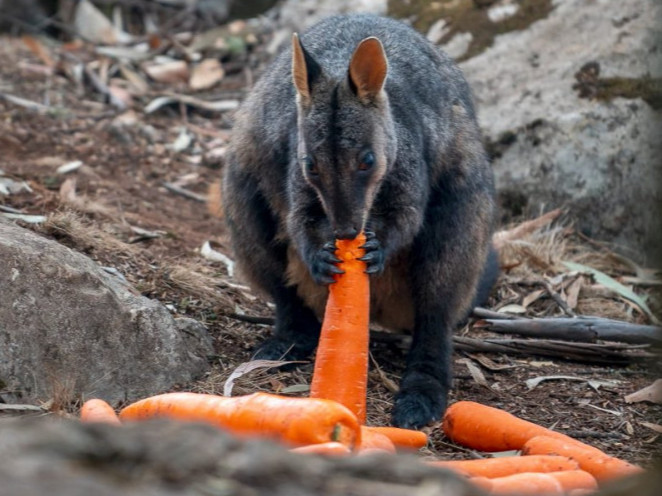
(374, 254)
(417, 406)
(323, 264)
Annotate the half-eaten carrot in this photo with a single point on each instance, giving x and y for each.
(96, 410)
(594, 461)
(341, 364)
(486, 428)
(294, 421)
(508, 465)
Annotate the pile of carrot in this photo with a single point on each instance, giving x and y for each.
(331, 421)
(552, 463)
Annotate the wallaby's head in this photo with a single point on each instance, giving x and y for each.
(346, 137)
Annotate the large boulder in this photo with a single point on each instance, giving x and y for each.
(584, 148)
(69, 328)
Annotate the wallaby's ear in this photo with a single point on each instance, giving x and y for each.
(367, 69)
(304, 69)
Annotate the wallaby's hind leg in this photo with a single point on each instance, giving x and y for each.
(446, 262)
(263, 260)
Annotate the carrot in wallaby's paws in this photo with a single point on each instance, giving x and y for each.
(341, 363)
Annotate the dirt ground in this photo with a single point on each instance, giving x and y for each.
(129, 156)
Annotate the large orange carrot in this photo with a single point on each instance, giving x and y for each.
(341, 364)
(508, 465)
(294, 421)
(373, 440)
(330, 449)
(594, 461)
(575, 479)
(524, 484)
(96, 410)
(402, 438)
(489, 429)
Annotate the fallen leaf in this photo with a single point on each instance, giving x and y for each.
(206, 74)
(247, 367)
(531, 297)
(594, 383)
(602, 278)
(654, 427)
(69, 167)
(651, 393)
(39, 50)
(210, 254)
(10, 187)
(182, 142)
(30, 219)
(475, 372)
(572, 292)
(212, 106)
(172, 72)
(93, 26)
(512, 308)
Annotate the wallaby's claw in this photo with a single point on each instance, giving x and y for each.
(323, 265)
(374, 254)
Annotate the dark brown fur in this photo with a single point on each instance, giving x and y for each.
(324, 148)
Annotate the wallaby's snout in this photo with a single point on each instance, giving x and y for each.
(346, 232)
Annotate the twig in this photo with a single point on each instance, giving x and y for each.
(184, 192)
(558, 299)
(484, 313)
(252, 319)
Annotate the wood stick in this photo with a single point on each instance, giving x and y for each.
(582, 329)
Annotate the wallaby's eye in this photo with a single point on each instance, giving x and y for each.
(367, 161)
(309, 166)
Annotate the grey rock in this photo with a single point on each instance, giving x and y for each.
(68, 327)
(159, 458)
(600, 159)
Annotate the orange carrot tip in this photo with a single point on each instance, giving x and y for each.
(405, 439)
(508, 465)
(329, 449)
(523, 484)
(485, 428)
(96, 410)
(592, 460)
(293, 421)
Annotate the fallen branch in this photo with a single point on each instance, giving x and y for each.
(582, 329)
(605, 354)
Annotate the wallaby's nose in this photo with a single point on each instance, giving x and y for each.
(346, 233)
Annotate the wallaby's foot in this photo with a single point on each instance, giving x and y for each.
(374, 254)
(421, 400)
